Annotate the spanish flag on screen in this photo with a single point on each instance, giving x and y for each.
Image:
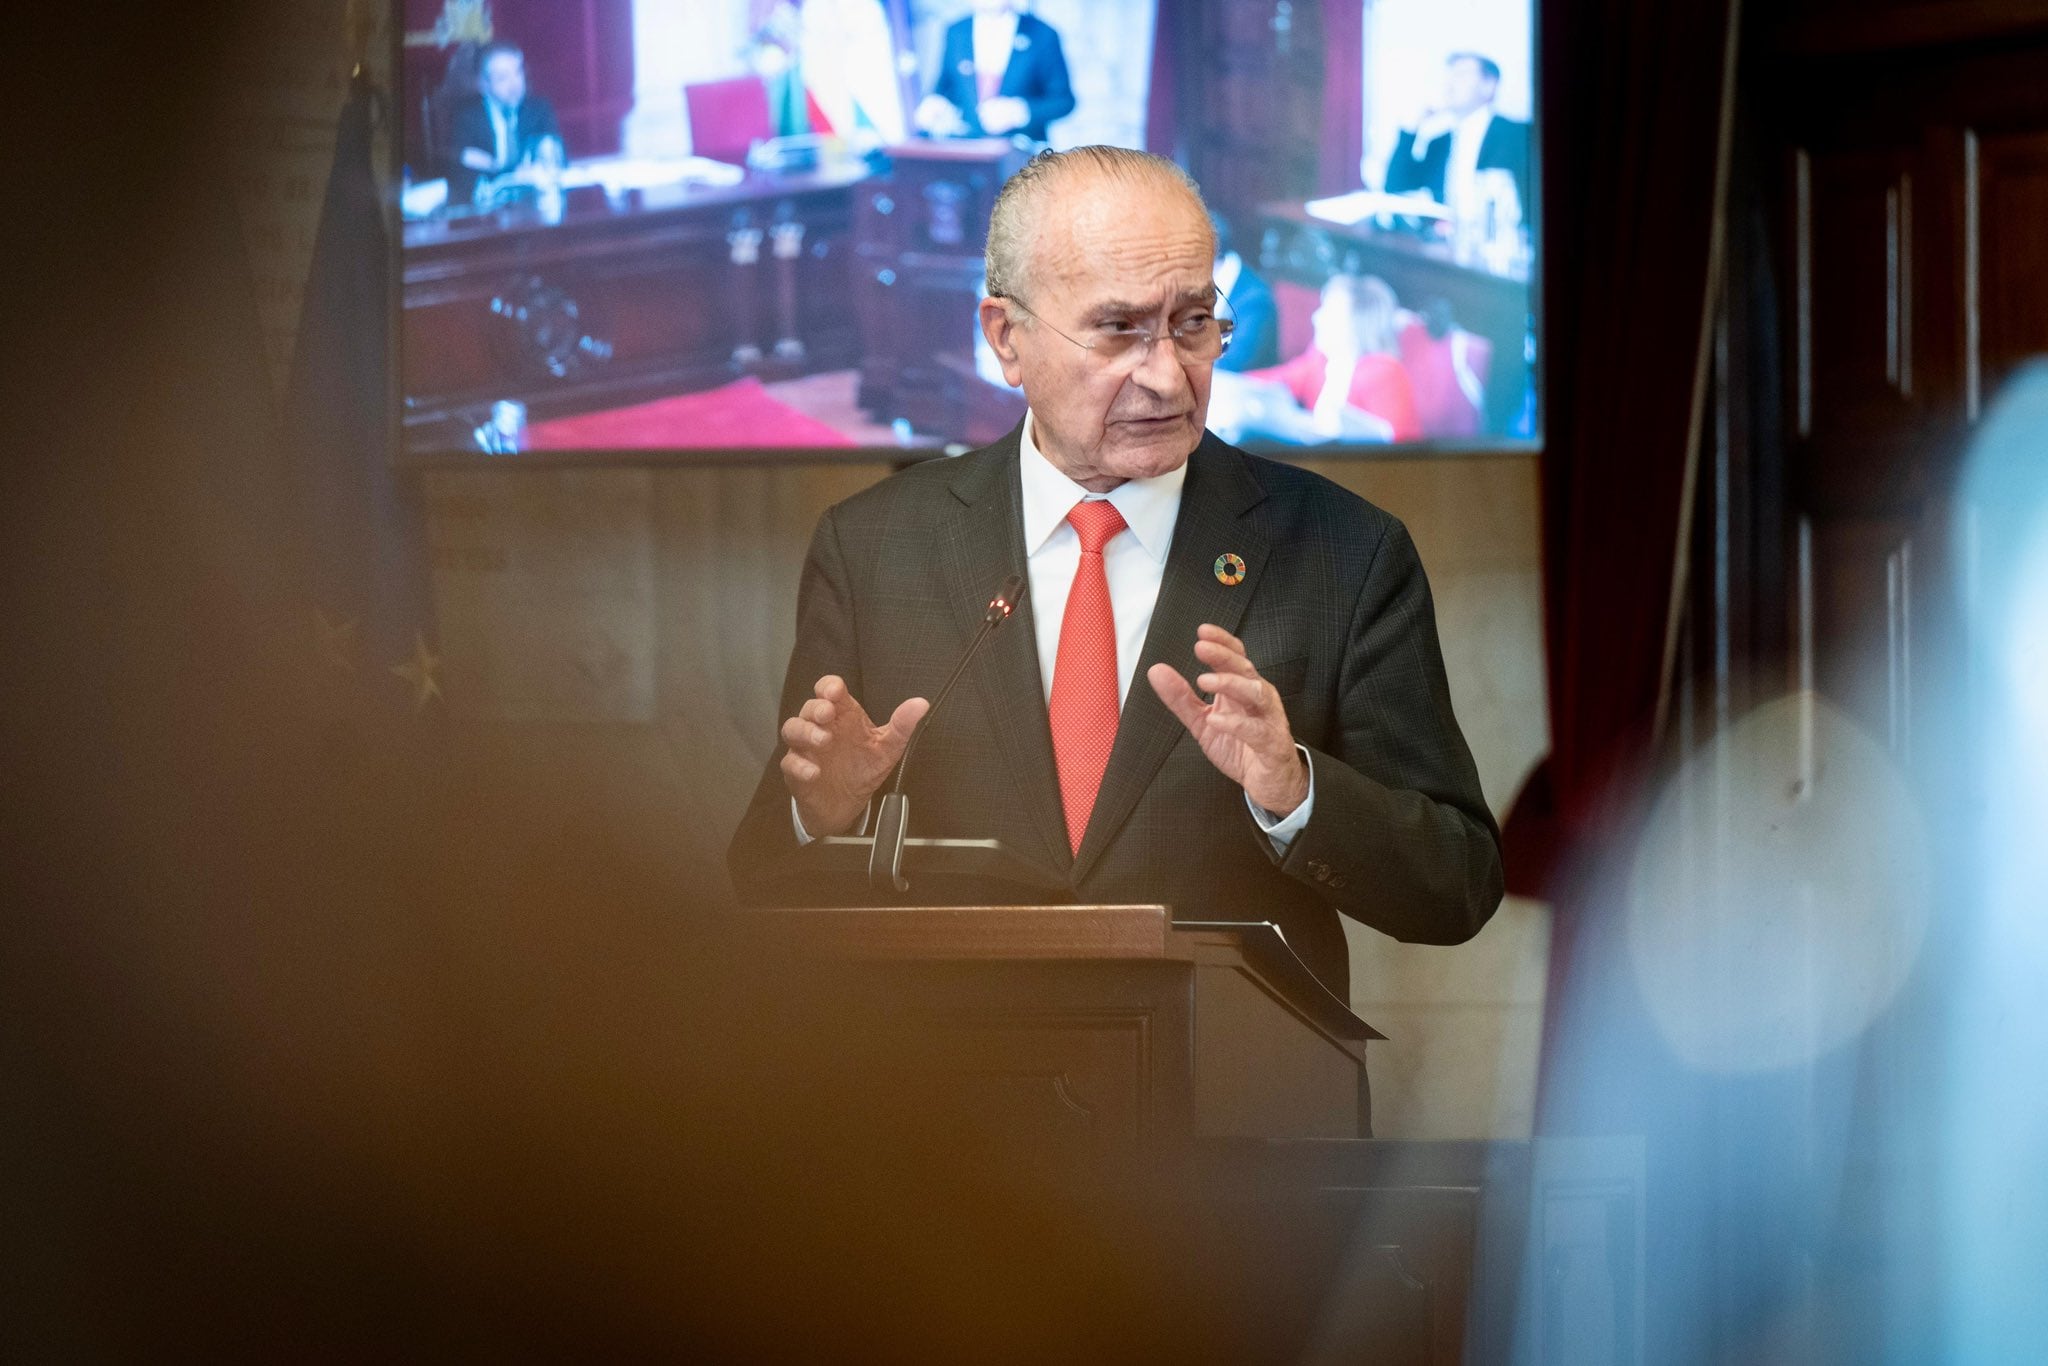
(848, 64)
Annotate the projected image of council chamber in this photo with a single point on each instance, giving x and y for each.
(757, 225)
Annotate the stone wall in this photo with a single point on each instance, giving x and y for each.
(623, 633)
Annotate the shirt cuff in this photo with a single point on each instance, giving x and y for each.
(804, 836)
(1282, 830)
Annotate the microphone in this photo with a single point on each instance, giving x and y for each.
(892, 821)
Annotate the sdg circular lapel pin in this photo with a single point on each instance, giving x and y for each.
(1229, 570)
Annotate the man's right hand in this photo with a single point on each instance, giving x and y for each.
(838, 758)
(1432, 122)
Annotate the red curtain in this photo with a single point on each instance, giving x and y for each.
(1629, 133)
(1162, 129)
(1343, 141)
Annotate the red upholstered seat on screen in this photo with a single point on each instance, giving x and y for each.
(1448, 374)
(728, 117)
(1296, 305)
(737, 415)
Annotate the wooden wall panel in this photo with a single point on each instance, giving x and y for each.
(1857, 600)
(1909, 229)
(1251, 82)
(1855, 252)
(1874, 389)
(2010, 249)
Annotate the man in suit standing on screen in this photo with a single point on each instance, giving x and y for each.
(1223, 690)
(1001, 73)
(1455, 141)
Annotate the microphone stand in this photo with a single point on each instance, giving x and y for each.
(892, 819)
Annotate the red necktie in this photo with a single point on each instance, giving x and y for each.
(1083, 706)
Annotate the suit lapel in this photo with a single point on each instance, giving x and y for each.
(1218, 492)
(979, 548)
(1016, 76)
(1492, 155)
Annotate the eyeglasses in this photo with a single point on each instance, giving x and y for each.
(1198, 339)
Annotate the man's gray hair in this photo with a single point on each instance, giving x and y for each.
(1014, 221)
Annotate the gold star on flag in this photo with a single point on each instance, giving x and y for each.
(422, 671)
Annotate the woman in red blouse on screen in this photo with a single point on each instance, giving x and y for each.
(1349, 384)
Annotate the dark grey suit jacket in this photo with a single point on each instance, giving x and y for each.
(1336, 614)
(1504, 148)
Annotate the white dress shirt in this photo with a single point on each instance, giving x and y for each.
(994, 37)
(501, 128)
(1135, 562)
(1461, 173)
(1134, 559)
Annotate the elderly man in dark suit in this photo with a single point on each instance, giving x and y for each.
(1223, 690)
(1002, 72)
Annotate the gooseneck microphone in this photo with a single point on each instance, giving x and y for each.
(892, 821)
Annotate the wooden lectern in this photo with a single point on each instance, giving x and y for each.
(1193, 1095)
(1101, 1032)
(919, 231)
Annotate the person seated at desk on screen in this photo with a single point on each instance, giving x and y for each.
(1002, 73)
(1348, 385)
(1256, 342)
(502, 127)
(1458, 139)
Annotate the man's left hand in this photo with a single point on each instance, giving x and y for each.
(1002, 114)
(1243, 730)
